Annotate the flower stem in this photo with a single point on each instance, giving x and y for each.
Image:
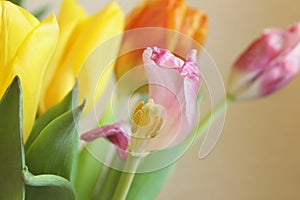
(126, 178)
(214, 114)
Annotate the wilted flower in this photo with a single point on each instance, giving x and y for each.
(168, 116)
(26, 47)
(174, 16)
(267, 65)
(79, 36)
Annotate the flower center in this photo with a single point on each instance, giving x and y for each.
(147, 122)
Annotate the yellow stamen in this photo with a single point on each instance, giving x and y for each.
(157, 129)
(147, 122)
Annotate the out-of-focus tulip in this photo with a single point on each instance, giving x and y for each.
(267, 65)
(174, 16)
(80, 35)
(26, 47)
(170, 113)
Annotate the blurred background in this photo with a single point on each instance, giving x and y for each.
(257, 156)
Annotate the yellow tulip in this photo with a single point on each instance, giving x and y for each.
(167, 14)
(80, 35)
(26, 47)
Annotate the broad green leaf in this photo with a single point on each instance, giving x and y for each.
(147, 186)
(66, 104)
(11, 143)
(53, 150)
(89, 169)
(48, 187)
(88, 172)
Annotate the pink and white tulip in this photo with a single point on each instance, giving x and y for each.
(267, 65)
(170, 113)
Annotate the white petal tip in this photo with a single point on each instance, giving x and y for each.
(192, 55)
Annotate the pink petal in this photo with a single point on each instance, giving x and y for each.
(261, 52)
(280, 71)
(268, 64)
(173, 84)
(114, 134)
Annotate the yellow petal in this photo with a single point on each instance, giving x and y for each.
(88, 35)
(96, 73)
(70, 14)
(15, 24)
(30, 63)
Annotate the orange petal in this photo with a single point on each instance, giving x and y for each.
(156, 13)
(168, 14)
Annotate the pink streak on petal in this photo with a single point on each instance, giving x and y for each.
(113, 133)
(285, 66)
(260, 53)
(164, 58)
(173, 84)
(269, 63)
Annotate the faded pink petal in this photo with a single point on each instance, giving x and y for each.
(173, 83)
(268, 64)
(114, 134)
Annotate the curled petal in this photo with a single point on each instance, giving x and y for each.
(114, 134)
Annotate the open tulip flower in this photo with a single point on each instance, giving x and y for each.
(267, 65)
(171, 22)
(168, 116)
(26, 47)
(79, 36)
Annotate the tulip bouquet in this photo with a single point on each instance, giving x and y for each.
(102, 106)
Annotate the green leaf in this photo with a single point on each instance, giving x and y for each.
(89, 169)
(17, 2)
(111, 180)
(88, 172)
(41, 12)
(48, 187)
(11, 143)
(147, 186)
(66, 104)
(53, 150)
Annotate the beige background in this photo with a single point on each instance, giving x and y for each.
(257, 156)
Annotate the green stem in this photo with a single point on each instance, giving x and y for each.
(126, 178)
(214, 114)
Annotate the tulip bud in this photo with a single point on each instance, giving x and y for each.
(267, 65)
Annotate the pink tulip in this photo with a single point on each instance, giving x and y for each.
(267, 65)
(170, 113)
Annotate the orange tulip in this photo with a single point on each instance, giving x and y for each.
(171, 15)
